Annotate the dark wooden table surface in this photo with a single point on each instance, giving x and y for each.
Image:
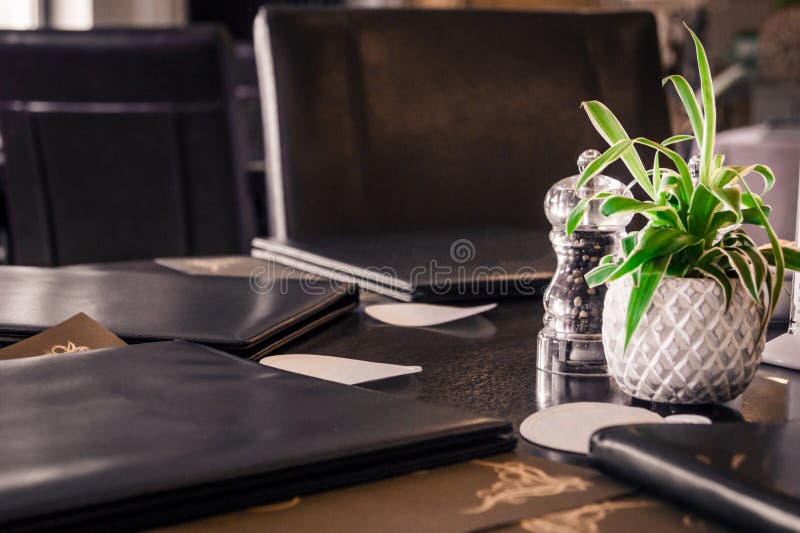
(487, 364)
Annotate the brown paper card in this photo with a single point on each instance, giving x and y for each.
(627, 514)
(478, 494)
(77, 334)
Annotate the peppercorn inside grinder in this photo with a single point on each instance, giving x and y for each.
(571, 341)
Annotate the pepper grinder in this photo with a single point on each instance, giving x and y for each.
(571, 341)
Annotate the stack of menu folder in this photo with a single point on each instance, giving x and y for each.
(747, 475)
(154, 433)
(426, 266)
(228, 313)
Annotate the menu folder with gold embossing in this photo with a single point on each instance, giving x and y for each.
(246, 317)
(154, 433)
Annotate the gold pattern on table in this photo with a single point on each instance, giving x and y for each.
(70, 347)
(581, 520)
(517, 482)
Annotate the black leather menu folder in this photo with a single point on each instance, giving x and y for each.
(226, 313)
(427, 265)
(747, 475)
(148, 434)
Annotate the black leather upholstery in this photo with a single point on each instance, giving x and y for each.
(120, 144)
(403, 120)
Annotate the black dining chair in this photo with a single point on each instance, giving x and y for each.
(121, 144)
(405, 120)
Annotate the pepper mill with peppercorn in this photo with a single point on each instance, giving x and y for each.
(571, 341)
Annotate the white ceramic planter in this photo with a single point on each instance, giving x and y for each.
(687, 348)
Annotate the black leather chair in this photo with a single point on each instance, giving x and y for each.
(121, 144)
(400, 120)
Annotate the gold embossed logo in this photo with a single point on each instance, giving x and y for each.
(517, 482)
(581, 520)
(70, 347)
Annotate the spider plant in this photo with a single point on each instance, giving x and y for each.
(694, 222)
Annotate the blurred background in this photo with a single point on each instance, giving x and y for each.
(753, 44)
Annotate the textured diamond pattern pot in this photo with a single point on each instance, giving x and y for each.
(687, 348)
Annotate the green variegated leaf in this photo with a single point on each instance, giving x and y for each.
(722, 219)
(709, 109)
(628, 243)
(606, 158)
(767, 174)
(722, 177)
(608, 259)
(760, 266)
(750, 199)
(576, 215)
(599, 274)
(685, 177)
(662, 214)
(657, 180)
(791, 255)
(725, 175)
(744, 271)
(668, 218)
(731, 197)
(675, 139)
(668, 191)
(751, 215)
(738, 238)
(764, 171)
(718, 275)
(701, 208)
(612, 131)
(616, 205)
(651, 273)
(711, 269)
(654, 242)
(686, 95)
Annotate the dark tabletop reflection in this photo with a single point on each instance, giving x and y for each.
(474, 327)
(495, 374)
(555, 389)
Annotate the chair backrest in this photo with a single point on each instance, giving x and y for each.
(120, 144)
(399, 120)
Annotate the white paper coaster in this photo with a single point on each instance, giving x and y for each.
(338, 369)
(687, 418)
(569, 427)
(784, 351)
(422, 315)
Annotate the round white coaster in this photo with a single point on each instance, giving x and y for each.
(687, 418)
(569, 427)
